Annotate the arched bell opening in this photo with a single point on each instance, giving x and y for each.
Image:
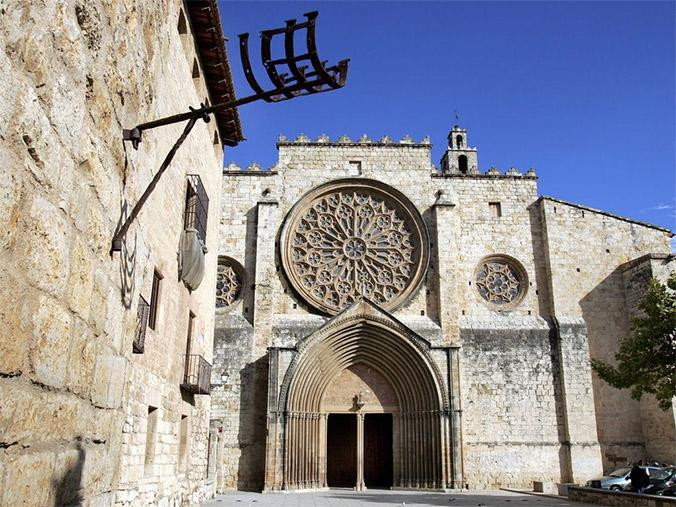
(379, 378)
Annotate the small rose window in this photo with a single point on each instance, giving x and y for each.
(501, 281)
(228, 282)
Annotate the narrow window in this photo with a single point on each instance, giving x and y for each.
(182, 24)
(183, 444)
(151, 435)
(211, 447)
(462, 164)
(142, 313)
(187, 377)
(154, 300)
(196, 207)
(496, 209)
(458, 141)
(191, 325)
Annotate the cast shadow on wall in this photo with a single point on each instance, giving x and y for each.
(67, 490)
(253, 425)
(605, 329)
(127, 260)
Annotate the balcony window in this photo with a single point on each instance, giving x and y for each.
(197, 374)
(196, 207)
(197, 377)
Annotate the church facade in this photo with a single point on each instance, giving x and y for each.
(384, 323)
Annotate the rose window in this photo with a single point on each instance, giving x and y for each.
(228, 283)
(354, 238)
(501, 281)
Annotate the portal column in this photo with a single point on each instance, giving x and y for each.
(322, 450)
(360, 453)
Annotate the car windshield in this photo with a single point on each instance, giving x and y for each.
(620, 472)
(659, 474)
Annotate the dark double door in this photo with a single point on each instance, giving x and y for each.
(342, 450)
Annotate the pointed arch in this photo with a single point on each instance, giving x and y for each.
(403, 359)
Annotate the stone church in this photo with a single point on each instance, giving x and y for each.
(372, 321)
(381, 322)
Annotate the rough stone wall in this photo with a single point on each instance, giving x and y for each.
(74, 397)
(510, 413)
(584, 251)
(659, 426)
(617, 498)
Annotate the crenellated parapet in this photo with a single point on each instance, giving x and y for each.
(344, 140)
(253, 168)
(492, 172)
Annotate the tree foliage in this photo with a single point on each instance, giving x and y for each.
(646, 361)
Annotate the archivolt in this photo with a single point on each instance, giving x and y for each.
(372, 341)
(420, 425)
(397, 360)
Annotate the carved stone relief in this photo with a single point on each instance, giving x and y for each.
(352, 238)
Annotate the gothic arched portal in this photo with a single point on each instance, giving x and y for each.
(391, 372)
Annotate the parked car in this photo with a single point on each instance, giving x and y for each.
(618, 480)
(663, 484)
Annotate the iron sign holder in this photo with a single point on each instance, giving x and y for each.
(296, 82)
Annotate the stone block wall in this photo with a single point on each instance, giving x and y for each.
(74, 396)
(659, 426)
(585, 250)
(511, 420)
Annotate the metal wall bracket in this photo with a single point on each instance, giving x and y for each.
(289, 79)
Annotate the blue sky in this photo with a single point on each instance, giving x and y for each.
(581, 91)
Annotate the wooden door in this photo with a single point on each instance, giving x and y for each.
(378, 450)
(341, 451)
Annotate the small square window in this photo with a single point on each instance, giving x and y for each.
(355, 167)
(495, 209)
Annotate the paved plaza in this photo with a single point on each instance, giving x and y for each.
(382, 498)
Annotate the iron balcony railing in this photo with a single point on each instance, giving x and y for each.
(197, 377)
(196, 207)
(142, 313)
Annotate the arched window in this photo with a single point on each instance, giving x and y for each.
(462, 164)
(458, 141)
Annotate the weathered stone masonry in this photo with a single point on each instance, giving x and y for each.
(75, 401)
(514, 301)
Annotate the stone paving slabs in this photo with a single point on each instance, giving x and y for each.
(383, 498)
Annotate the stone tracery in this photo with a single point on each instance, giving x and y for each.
(355, 241)
(501, 281)
(228, 283)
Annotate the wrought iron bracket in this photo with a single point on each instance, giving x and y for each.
(288, 76)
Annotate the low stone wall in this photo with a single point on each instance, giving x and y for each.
(618, 498)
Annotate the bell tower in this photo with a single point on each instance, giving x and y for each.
(459, 158)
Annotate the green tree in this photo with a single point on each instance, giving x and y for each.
(646, 362)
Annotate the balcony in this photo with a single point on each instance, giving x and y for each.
(197, 377)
